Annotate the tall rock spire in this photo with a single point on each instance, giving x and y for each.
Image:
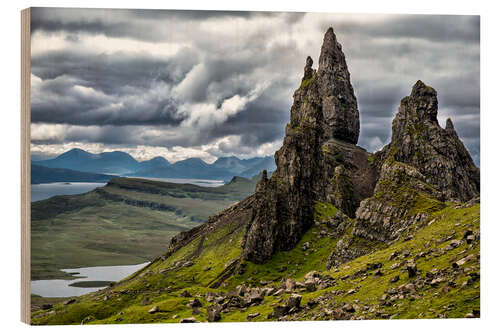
(339, 105)
(318, 160)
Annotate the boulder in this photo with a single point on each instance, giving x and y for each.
(279, 311)
(194, 303)
(394, 279)
(213, 313)
(252, 316)
(294, 301)
(411, 268)
(348, 308)
(188, 320)
(290, 284)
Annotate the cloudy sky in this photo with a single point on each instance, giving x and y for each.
(206, 84)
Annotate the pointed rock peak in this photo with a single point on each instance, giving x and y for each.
(423, 100)
(420, 89)
(331, 52)
(308, 70)
(449, 125)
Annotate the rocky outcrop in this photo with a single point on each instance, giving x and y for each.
(402, 199)
(437, 153)
(423, 166)
(317, 162)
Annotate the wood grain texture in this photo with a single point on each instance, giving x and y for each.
(25, 164)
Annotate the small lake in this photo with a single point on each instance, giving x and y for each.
(62, 288)
(45, 191)
(199, 182)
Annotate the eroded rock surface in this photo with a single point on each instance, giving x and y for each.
(437, 153)
(318, 161)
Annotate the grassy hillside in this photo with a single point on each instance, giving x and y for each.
(128, 221)
(189, 283)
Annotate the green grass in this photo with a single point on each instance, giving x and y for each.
(164, 282)
(306, 82)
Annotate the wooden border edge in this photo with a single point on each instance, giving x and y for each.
(25, 166)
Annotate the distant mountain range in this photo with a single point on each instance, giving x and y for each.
(122, 164)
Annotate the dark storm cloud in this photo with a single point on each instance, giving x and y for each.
(234, 73)
(66, 100)
(439, 28)
(132, 23)
(114, 73)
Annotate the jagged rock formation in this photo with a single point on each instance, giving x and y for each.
(384, 196)
(318, 160)
(418, 140)
(423, 166)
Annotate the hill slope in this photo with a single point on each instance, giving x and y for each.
(373, 286)
(128, 221)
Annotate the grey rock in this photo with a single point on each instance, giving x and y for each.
(188, 320)
(213, 313)
(437, 153)
(317, 162)
(252, 316)
(294, 301)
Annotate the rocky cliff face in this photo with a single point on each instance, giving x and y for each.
(418, 140)
(318, 160)
(382, 196)
(387, 194)
(423, 166)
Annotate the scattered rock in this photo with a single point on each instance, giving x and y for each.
(351, 291)
(154, 309)
(188, 320)
(372, 266)
(188, 264)
(252, 316)
(290, 284)
(411, 267)
(279, 311)
(348, 308)
(194, 303)
(294, 301)
(394, 279)
(213, 313)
